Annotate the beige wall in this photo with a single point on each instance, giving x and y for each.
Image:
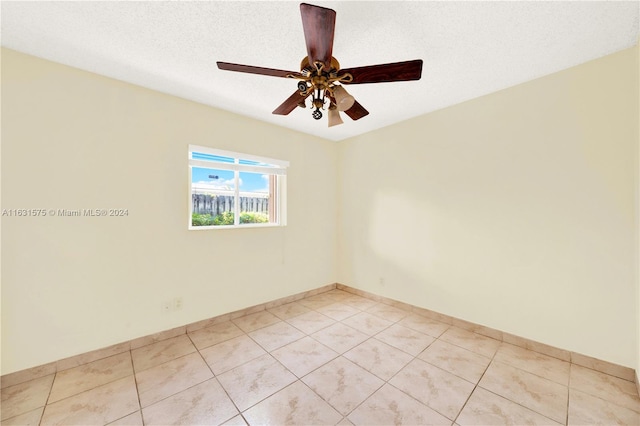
(72, 139)
(516, 210)
(637, 90)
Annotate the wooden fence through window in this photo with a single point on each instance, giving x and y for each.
(218, 204)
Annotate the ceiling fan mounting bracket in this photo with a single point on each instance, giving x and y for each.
(306, 66)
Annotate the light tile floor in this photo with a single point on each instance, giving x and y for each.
(333, 358)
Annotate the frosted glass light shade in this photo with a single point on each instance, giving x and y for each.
(334, 117)
(344, 100)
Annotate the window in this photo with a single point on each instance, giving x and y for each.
(229, 189)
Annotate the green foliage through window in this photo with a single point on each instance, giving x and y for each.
(226, 218)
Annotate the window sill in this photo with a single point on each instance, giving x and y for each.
(251, 225)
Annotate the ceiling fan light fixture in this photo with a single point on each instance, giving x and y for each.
(334, 117)
(344, 100)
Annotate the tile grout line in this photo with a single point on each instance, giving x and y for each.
(451, 372)
(283, 366)
(269, 351)
(214, 377)
(537, 353)
(367, 398)
(519, 404)
(384, 382)
(46, 402)
(606, 401)
(168, 396)
(88, 389)
(475, 386)
(493, 360)
(135, 380)
(568, 394)
(529, 372)
(298, 379)
(411, 396)
(344, 416)
(216, 343)
(415, 357)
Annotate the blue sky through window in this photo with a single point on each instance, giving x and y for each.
(211, 157)
(223, 179)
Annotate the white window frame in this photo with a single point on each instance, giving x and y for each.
(278, 167)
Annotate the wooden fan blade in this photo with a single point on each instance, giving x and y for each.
(254, 70)
(397, 71)
(291, 103)
(319, 25)
(357, 111)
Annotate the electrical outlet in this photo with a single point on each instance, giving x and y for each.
(381, 282)
(177, 303)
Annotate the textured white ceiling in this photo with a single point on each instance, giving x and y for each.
(469, 48)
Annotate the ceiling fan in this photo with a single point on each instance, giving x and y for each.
(320, 74)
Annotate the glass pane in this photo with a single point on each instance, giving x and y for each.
(211, 157)
(255, 163)
(256, 198)
(212, 196)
